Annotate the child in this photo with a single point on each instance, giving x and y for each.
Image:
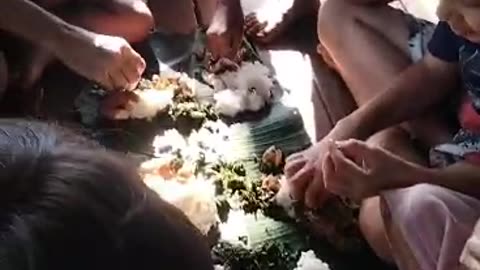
(429, 221)
(67, 204)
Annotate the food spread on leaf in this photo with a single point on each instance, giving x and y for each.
(197, 172)
(193, 174)
(174, 92)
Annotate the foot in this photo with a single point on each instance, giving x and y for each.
(265, 32)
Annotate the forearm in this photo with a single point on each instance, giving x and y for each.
(413, 93)
(30, 22)
(462, 177)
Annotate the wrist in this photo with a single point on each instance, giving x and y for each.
(413, 175)
(350, 127)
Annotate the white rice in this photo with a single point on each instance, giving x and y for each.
(309, 261)
(196, 199)
(247, 89)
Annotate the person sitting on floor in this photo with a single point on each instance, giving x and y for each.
(66, 203)
(415, 213)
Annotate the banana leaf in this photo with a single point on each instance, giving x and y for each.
(252, 134)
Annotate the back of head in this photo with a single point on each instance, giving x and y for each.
(67, 204)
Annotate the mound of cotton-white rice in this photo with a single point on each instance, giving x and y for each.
(247, 89)
(196, 199)
(152, 101)
(309, 261)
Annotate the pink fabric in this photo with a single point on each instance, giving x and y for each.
(435, 222)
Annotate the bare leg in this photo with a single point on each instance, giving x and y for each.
(403, 254)
(358, 36)
(130, 19)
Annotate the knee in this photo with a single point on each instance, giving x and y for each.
(373, 229)
(417, 205)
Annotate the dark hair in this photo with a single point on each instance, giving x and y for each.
(66, 204)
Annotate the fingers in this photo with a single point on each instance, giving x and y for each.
(223, 65)
(473, 248)
(332, 180)
(125, 71)
(134, 58)
(133, 67)
(250, 20)
(300, 181)
(315, 194)
(118, 80)
(255, 29)
(341, 175)
(470, 262)
(328, 169)
(115, 102)
(293, 166)
(343, 164)
(355, 150)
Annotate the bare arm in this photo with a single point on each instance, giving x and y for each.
(420, 87)
(108, 60)
(21, 15)
(462, 177)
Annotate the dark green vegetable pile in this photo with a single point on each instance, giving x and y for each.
(270, 256)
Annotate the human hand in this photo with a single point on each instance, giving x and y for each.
(222, 65)
(116, 102)
(304, 176)
(356, 170)
(470, 258)
(107, 60)
(225, 34)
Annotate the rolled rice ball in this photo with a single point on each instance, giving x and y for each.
(309, 261)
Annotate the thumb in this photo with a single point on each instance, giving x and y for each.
(356, 150)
